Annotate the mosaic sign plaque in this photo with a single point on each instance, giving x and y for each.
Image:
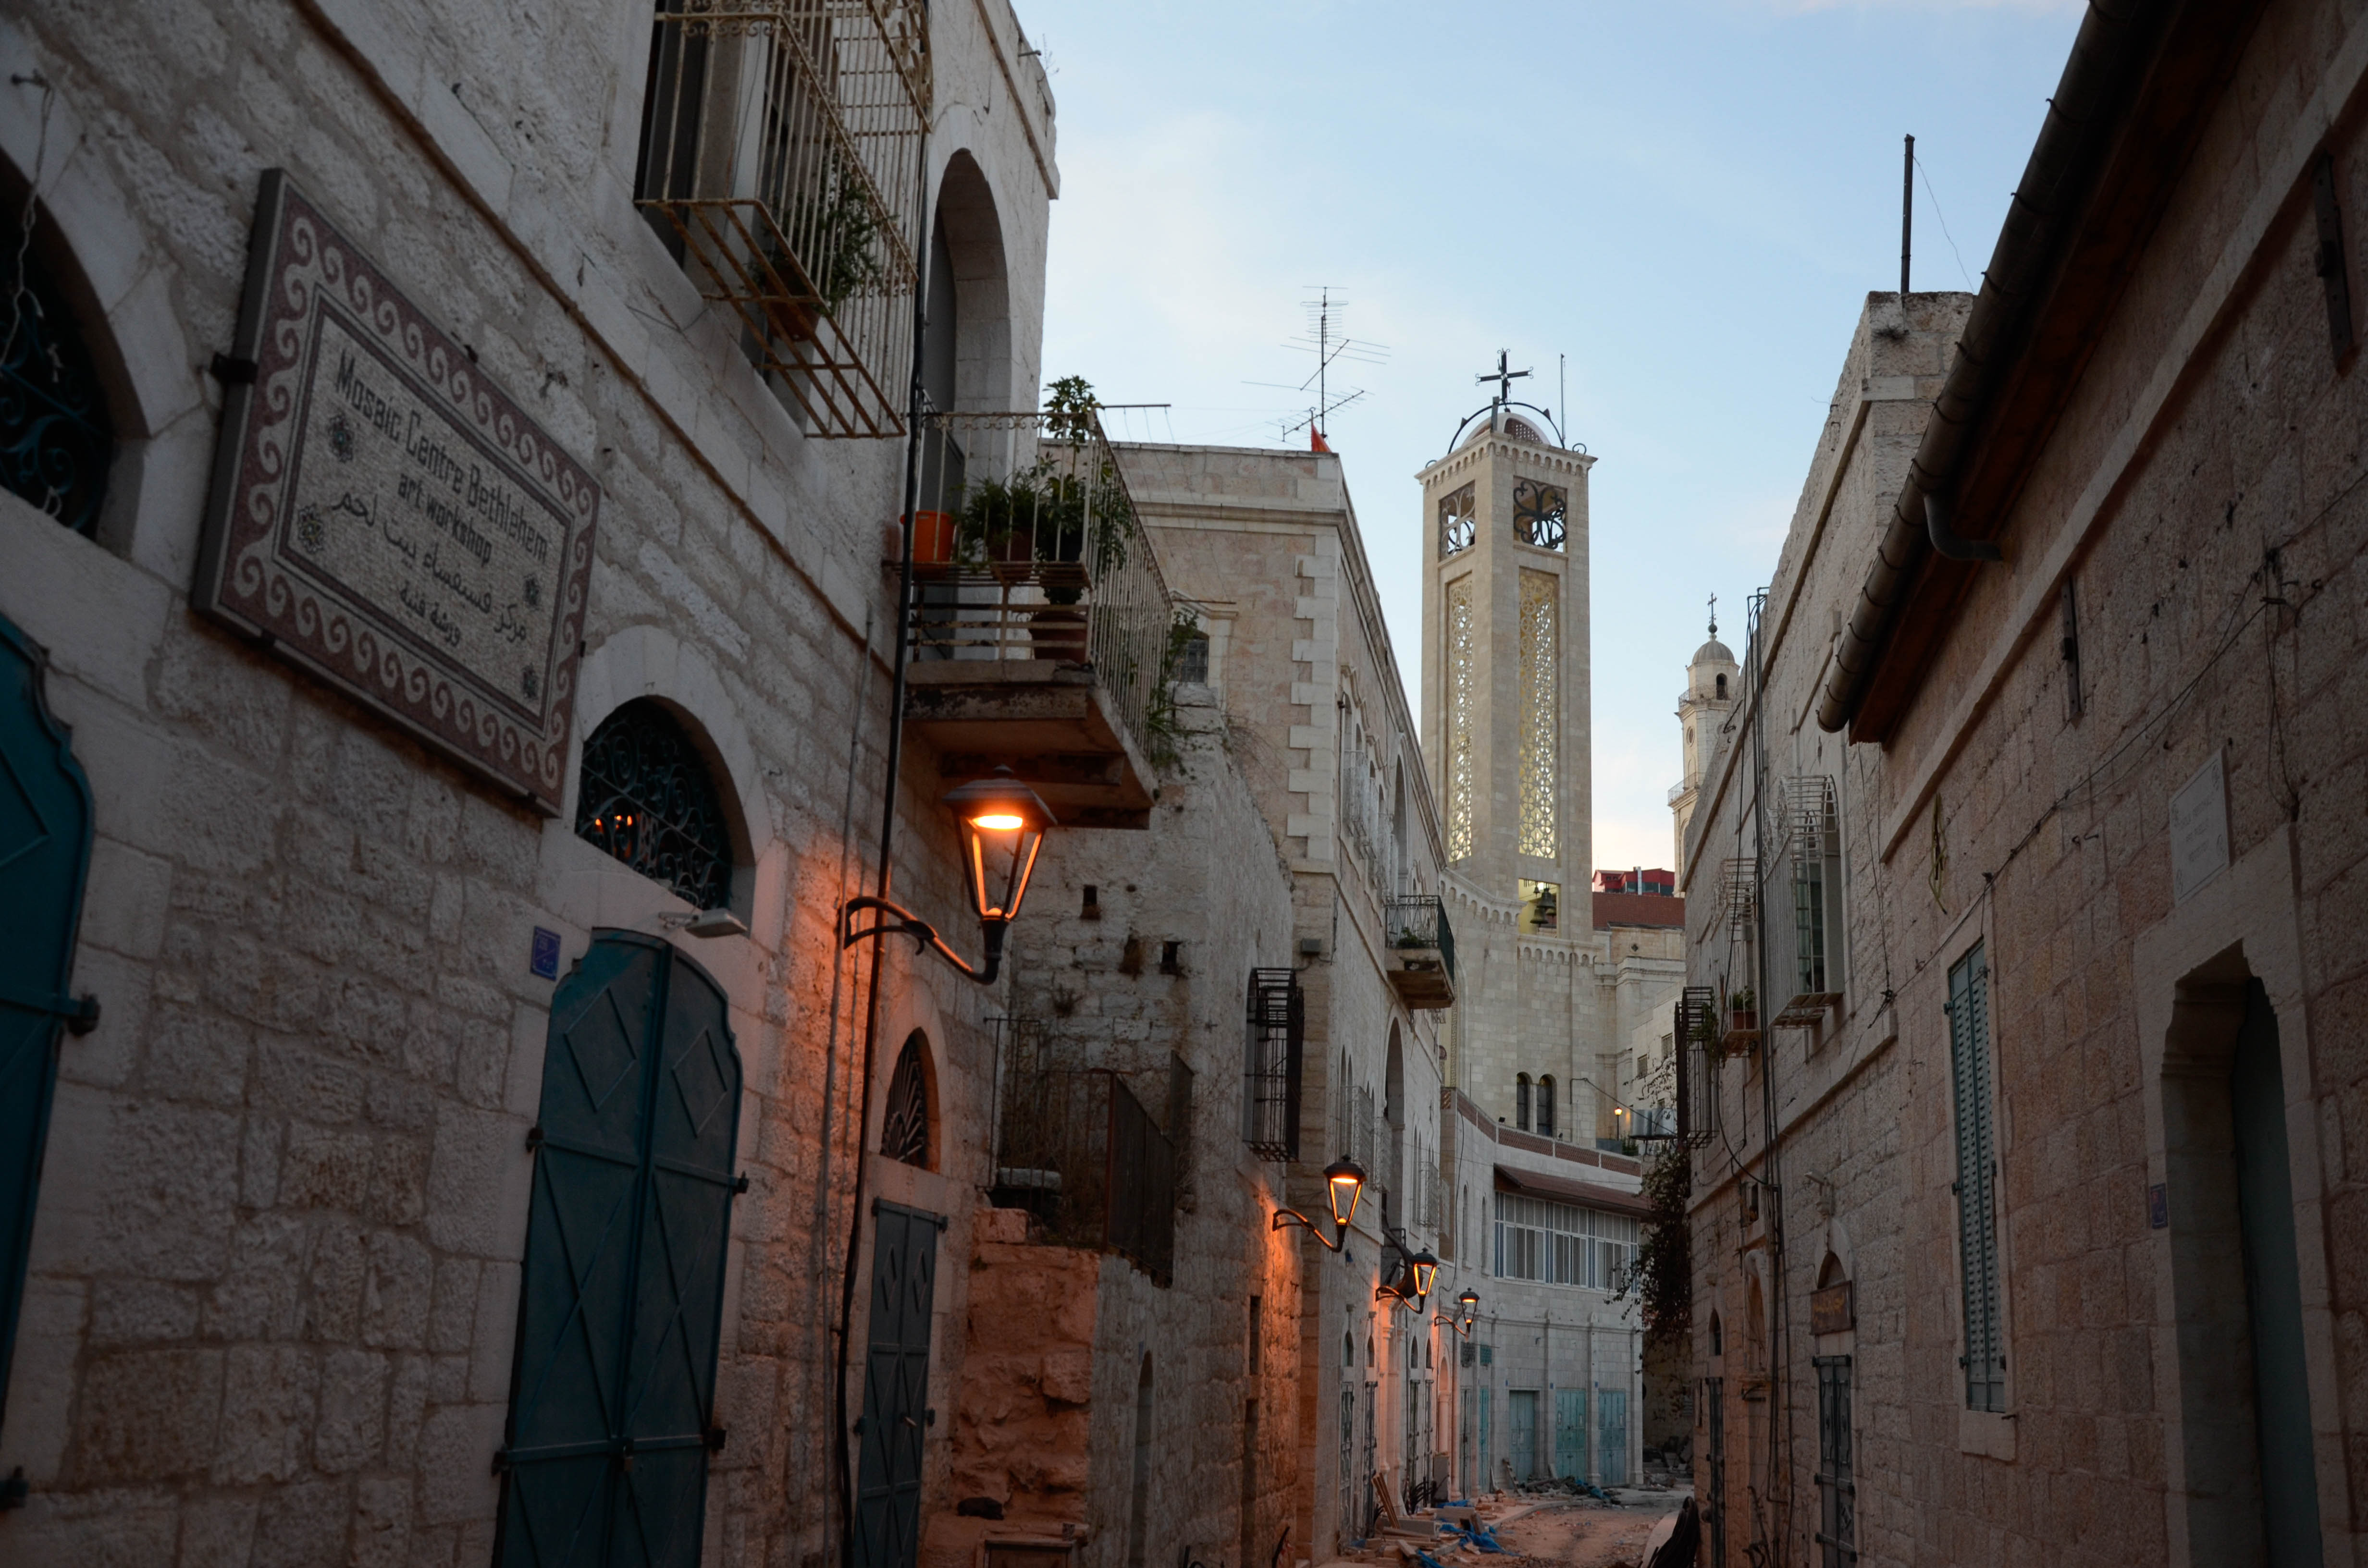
(385, 517)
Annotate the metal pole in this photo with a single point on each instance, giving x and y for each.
(1906, 216)
(916, 403)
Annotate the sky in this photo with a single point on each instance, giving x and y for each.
(1678, 206)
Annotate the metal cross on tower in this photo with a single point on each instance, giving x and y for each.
(1503, 378)
(1714, 615)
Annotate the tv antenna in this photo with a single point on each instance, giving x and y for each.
(1324, 335)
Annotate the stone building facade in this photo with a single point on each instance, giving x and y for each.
(2026, 1229)
(1265, 549)
(267, 1304)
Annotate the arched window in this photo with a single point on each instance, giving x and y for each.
(1717, 1337)
(1546, 1107)
(905, 1130)
(55, 439)
(1722, 689)
(647, 799)
(1347, 1348)
(1521, 1101)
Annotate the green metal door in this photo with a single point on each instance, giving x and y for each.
(613, 1390)
(1570, 1432)
(44, 853)
(1612, 1434)
(895, 1386)
(1487, 1481)
(1521, 1436)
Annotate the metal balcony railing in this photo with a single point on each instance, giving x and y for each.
(1076, 1147)
(780, 158)
(1027, 546)
(1420, 921)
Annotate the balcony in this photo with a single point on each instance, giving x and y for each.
(1040, 634)
(1076, 1147)
(780, 162)
(1419, 951)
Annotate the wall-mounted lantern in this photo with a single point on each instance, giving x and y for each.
(1467, 1312)
(1344, 1184)
(1003, 826)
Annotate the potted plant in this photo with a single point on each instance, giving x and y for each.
(1743, 1012)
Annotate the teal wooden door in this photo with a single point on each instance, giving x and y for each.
(1611, 1433)
(1570, 1432)
(895, 1386)
(44, 854)
(1487, 1481)
(1522, 1432)
(612, 1392)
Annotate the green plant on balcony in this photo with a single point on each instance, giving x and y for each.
(843, 257)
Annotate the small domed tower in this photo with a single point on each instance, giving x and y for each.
(1713, 682)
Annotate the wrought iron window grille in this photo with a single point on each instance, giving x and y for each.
(904, 1128)
(647, 798)
(1458, 522)
(1275, 1034)
(1541, 514)
(56, 441)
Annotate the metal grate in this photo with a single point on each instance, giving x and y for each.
(1418, 922)
(1696, 1028)
(1837, 1489)
(1804, 942)
(1738, 896)
(1076, 1147)
(646, 798)
(55, 440)
(1027, 546)
(780, 156)
(1274, 1038)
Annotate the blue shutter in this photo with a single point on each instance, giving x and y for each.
(620, 1297)
(1976, 1186)
(44, 853)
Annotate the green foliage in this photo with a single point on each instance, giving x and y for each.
(1064, 505)
(1159, 719)
(1664, 1280)
(845, 251)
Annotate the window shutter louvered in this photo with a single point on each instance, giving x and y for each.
(1976, 1184)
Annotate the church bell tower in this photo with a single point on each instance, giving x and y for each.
(1506, 720)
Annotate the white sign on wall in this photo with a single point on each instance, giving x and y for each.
(2199, 829)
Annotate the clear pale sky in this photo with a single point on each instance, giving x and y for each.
(1689, 200)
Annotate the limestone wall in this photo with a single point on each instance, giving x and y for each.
(2195, 493)
(275, 1270)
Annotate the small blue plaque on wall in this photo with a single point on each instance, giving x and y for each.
(2158, 1207)
(545, 961)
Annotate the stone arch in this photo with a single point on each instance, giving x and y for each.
(967, 232)
(118, 283)
(650, 662)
